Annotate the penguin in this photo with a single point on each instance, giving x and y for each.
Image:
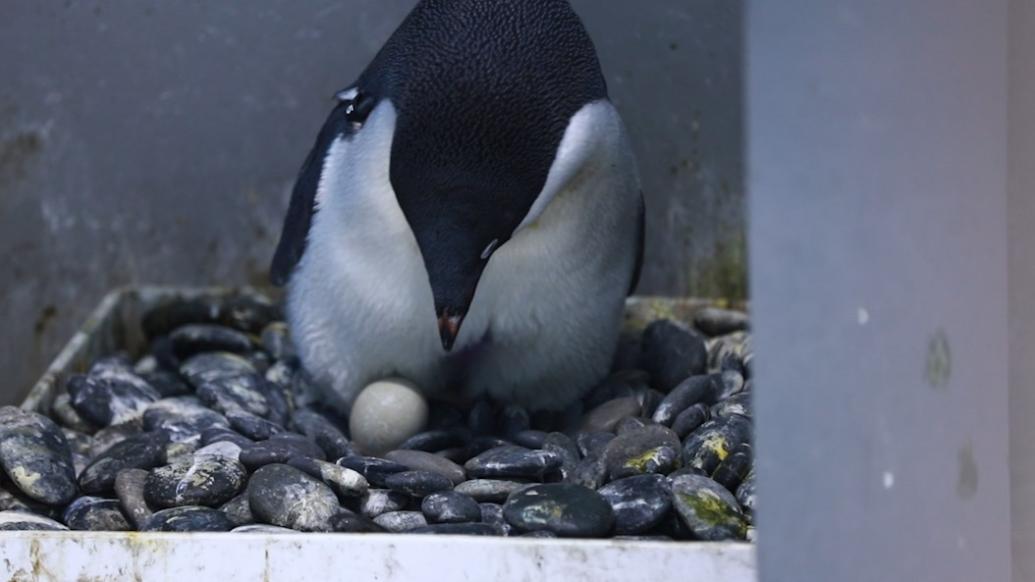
(470, 217)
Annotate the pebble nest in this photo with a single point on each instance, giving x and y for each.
(216, 428)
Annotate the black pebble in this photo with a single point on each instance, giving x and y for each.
(511, 461)
(144, 451)
(95, 514)
(322, 431)
(417, 483)
(671, 353)
(564, 509)
(374, 469)
(640, 503)
(188, 519)
(450, 507)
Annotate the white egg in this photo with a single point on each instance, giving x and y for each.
(385, 414)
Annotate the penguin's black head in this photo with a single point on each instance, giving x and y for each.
(483, 91)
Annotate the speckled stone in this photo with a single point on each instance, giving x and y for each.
(589, 472)
(377, 501)
(652, 449)
(489, 489)
(283, 495)
(639, 503)
(24, 521)
(113, 398)
(593, 443)
(258, 528)
(344, 482)
(736, 404)
(732, 471)
(450, 507)
(242, 393)
(279, 449)
(209, 480)
(746, 495)
(512, 461)
(211, 366)
(691, 419)
(385, 414)
(129, 488)
(492, 513)
(251, 426)
(564, 509)
(143, 451)
(707, 509)
(713, 441)
(689, 392)
(35, 456)
(182, 415)
(188, 519)
(422, 461)
(196, 338)
(671, 353)
(95, 514)
(373, 469)
(564, 448)
(401, 521)
(239, 510)
(66, 415)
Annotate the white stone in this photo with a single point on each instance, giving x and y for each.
(385, 414)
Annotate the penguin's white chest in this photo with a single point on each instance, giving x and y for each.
(544, 320)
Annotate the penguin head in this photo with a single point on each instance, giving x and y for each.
(483, 92)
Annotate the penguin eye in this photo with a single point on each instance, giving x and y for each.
(358, 109)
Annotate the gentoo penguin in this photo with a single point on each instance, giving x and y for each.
(470, 217)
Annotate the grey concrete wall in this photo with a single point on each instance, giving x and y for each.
(146, 141)
(1022, 286)
(877, 148)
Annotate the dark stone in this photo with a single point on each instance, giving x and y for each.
(196, 338)
(565, 449)
(422, 461)
(95, 514)
(605, 417)
(736, 404)
(492, 513)
(489, 489)
(262, 528)
(377, 501)
(639, 503)
(694, 389)
(649, 399)
(730, 383)
(244, 393)
(631, 424)
(511, 461)
(182, 415)
(671, 353)
(715, 322)
(707, 509)
(282, 495)
(746, 495)
(78, 442)
(351, 523)
(437, 440)
(129, 488)
(322, 431)
(418, 483)
(652, 449)
(35, 456)
(460, 529)
(188, 519)
(220, 435)
(564, 509)
(734, 468)
(168, 384)
(109, 436)
(279, 449)
(713, 441)
(248, 312)
(211, 366)
(239, 510)
(450, 507)
(143, 451)
(401, 521)
(112, 398)
(593, 443)
(344, 482)
(66, 415)
(23, 521)
(590, 472)
(530, 439)
(251, 426)
(209, 480)
(690, 419)
(375, 470)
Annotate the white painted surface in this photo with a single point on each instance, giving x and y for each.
(320, 557)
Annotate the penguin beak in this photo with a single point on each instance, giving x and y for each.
(449, 328)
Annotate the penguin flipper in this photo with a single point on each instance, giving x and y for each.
(641, 233)
(303, 202)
